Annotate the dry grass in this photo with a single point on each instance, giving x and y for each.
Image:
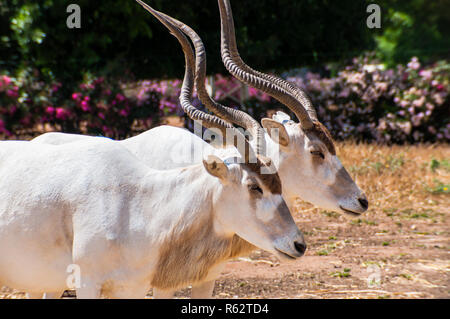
(409, 182)
(404, 177)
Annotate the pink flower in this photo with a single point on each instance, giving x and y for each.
(120, 97)
(106, 129)
(85, 106)
(426, 74)
(265, 97)
(26, 121)
(98, 80)
(344, 93)
(101, 115)
(415, 120)
(438, 98)
(404, 103)
(61, 113)
(252, 91)
(102, 105)
(76, 96)
(49, 110)
(55, 87)
(12, 93)
(414, 64)
(6, 80)
(419, 102)
(124, 113)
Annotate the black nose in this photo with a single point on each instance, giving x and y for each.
(364, 203)
(300, 247)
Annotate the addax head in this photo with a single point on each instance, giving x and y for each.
(311, 169)
(251, 206)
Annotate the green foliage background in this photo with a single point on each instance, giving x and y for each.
(119, 38)
(414, 28)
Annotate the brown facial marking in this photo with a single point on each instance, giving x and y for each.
(271, 181)
(322, 133)
(343, 183)
(188, 254)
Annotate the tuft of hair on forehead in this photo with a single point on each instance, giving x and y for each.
(318, 129)
(321, 132)
(271, 181)
(282, 117)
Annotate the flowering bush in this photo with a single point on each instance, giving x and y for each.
(367, 102)
(94, 107)
(169, 91)
(9, 110)
(364, 101)
(227, 91)
(104, 108)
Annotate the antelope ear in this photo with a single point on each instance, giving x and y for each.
(216, 167)
(272, 127)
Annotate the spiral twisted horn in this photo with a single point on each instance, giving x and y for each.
(229, 114)
(288, 94)
(208, 120)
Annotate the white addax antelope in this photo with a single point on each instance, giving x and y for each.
(129, 227)
(307, 163)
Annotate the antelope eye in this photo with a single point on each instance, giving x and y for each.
(318, 153)
(255, 188)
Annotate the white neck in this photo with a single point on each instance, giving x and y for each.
(185, 226)
(175, 201)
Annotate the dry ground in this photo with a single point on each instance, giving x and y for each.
(398, 249)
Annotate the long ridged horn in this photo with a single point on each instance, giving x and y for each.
(294, 98)
(208, 120)
(229, 114)
(296, 91)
